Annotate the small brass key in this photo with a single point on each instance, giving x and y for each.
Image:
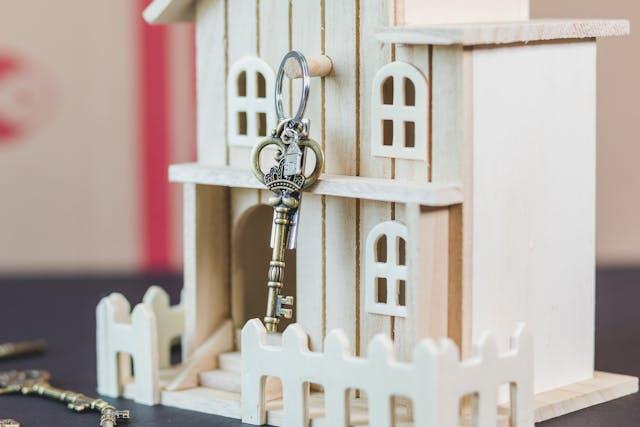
(37, 382)
(21, 348)
(286, 180)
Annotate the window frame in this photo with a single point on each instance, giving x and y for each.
(399, 113)
(250, 104)
(390, 269)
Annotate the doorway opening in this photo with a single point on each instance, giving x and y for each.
(252, 253)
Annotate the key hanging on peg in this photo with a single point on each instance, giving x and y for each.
(286, 180)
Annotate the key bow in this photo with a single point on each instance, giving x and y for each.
(276, 179)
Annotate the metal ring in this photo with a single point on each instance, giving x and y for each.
(306, 84)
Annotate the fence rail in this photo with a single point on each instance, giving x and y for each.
(435, 381)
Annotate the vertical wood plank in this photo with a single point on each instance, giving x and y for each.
(465, 264)
(406, 329)
(406, 169)
(242, 41)
(373, 56)
(452, 147)
(310, 265)
(427, 293)
(457, 296)
(274, 38)
(310, 279)
(448, 109)
(341, 44)
(206, 238)
(211, 81)
(340, 87)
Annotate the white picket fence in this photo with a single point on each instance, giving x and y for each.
(435, 381)
(145, 334)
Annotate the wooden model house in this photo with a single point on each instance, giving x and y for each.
(458, 197)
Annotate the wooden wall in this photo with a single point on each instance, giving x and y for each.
(333, 230)
(532, 227)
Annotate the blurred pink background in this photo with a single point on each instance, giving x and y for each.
(95, 104)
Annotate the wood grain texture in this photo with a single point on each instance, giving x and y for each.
(504, 32)
(319, 66)
(373, 56)
(211, 82)
(241, 202)
(311, 264)
(603, 387)
(341, 156)
(353, 187)
(534, 254)
(273, 42)
(428, 281)
(206, 237)
(242, 39)
(203, 358)
(450, 110)
(451, 139)
(201, 399)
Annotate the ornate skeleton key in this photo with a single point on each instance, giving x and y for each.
(37, 382)
(286, 180)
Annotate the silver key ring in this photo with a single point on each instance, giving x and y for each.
(306, 84)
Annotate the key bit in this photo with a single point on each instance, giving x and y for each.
(287, 313)
(288, 300)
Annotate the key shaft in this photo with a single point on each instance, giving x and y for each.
(276, 274)
(21, 348)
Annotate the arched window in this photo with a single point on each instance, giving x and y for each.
(399, 112)
(386, 269)
(250, 101)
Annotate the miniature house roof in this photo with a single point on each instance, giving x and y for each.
(167, 11)
(504, 32)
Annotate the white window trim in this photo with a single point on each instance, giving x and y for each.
(389, 270)
(399, 113)
(250, 104)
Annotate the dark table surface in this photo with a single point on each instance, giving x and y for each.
(62, 311)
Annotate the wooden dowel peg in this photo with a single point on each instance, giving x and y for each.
(319, 66)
